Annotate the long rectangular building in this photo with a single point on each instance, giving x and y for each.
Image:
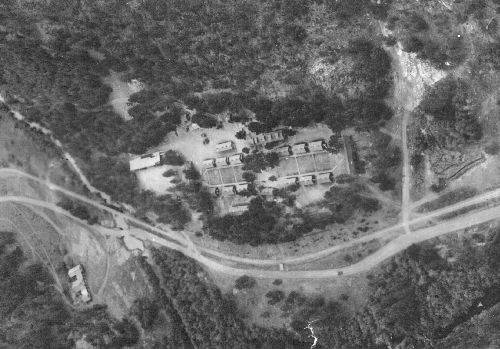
(145, 161)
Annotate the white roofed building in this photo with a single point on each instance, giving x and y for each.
(208, 163)
(317, 145)
(299, 148)
(145, 161)
(307, 180)
(289, 181)
(284, 151)
(325, 177)
(79, 290)
(224, 146)
(221, 162)
(235, 159)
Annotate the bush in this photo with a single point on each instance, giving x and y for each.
(275, 296)
(277, 282)
(244, 282)
(248, 176)
(204, 120)
(174, 158)
(242, 134)
(170, 173)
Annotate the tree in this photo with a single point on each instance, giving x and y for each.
(245, 282)
(249, 176)
(174, 158)
(275, 296)
(191, 173)
(204, 120)
(242, 134)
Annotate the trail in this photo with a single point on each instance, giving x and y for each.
(178, 239)
(392, 248)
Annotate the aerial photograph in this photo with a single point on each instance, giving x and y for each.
(250, 174)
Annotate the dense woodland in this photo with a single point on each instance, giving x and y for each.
(419, 300)
(205, 318)
(34, 314)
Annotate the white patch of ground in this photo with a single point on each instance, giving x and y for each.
(152, 179)
(121, 93)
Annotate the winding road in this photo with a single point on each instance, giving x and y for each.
(180, 242)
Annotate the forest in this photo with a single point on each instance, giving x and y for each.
(419, 299)
(205, 318)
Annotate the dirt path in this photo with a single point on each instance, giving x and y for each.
(401, 242)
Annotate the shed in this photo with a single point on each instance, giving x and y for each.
(289, 181)
(317, 145)
(284, 151)
(229, 190)
(221, 162)
(79, 290)
(299, 148)
(208, 163)
(307, 180)
(145, 161)
(224, 146)
(235, 159)
(241, 187)
(326, 177)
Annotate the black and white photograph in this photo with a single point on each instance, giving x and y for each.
(250, 174)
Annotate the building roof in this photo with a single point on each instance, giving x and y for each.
(208, 163)
(283, 151)
(306, 180)
(316, 145)
(224, 146)
(324, 177)
(291, 180)
(268, 137)
(144, 161)
(235, 159)
(299, 148)
(221, 161)
(79, 290)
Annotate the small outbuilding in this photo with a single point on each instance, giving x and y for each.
(235, 159)
(224, 146)
(307, 180)
(208, 163)
(300, 148)
(284, 151)
(289, 181)
(319, 145)
(221, 162)
(145, 161)
(325, 178)
(79, 290)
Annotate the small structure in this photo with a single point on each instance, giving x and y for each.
(319, 145)
(300, 148)
(325, 178)
(290, 181)
(79, 290)
(221, 162)
(235, 159)
(208, 163)
(229, 190)
(241, 187)
(284, 151)
(145, 161)
(224, 146)
(264, 138)
(307, 180)
(238, 208)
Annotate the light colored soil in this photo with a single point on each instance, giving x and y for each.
(152, 179)
(120, 94)
(190, 143)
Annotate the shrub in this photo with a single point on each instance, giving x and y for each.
(275, 296)
(174, 158)
(170, 173)
(244, 282)
(242, 134)
(204, 120)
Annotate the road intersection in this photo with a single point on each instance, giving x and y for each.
(222, 262)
